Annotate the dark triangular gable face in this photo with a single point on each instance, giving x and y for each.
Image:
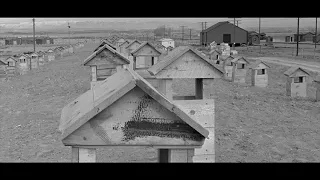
(106, 57)
(135, 119)
(189, 65)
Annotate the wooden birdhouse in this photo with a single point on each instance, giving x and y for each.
(215, 56)
(11, 68)
(41, 58)
(34, 60)
(227, 66)
(104, 62)
(125, 110)
(317, 80)
(145, 56)
(296, 82)
(239, 70)
(123, 45)
(186, 63)
(259, 74)
(24, 63)
(50, 55)
(132, 46)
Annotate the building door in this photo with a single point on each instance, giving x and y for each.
(227, 38)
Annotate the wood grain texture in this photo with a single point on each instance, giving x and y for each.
(135, 119)
(189, 65)
(75, 154)
(94, 73)
(87, 155)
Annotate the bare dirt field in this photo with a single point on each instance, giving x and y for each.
(252, 124)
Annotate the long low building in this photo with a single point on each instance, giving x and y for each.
(28, 40)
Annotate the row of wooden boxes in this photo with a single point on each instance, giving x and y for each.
(236, 67)
(133, 104)
(21, 64)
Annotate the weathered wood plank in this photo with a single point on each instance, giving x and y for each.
(87, 155)
(94, 73)
(75, 154)
(178, 155)
(135, 119)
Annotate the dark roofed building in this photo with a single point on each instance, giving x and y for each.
(223, 32)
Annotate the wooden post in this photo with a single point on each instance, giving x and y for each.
(94, 73)
(75, 154)
(169, 90)
(134, 62)
(318, 92)
(207, 88)
(87, 155)
(199, 88)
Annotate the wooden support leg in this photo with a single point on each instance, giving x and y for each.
(83, 155)
(75, 154)
(175, 155)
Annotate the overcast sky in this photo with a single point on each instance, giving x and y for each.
(245, 22)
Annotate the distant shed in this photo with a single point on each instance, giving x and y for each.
(239, 70)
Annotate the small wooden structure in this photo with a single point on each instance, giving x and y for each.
(296, 82)
(34, 60)
(132, 46)
(214, 55)
(123, 45)
(11, 68)
(125, 110)
(186, 63)
(103, 43)
(317, 80)
(3, 67)
(259, 74)
(50, 55)
(58, 52)
(227, 66)
(239, 70)
(104, 62)
(41, 58)
(24, 63)
(145, 56)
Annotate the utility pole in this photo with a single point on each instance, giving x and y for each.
(259, 33)
(315, 42)
(34, 38)
(298, 39)
(234, 33)
(182, 32)
(69, 33)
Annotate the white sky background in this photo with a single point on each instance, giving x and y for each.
(245, 22)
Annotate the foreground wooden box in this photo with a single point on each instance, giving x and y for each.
(239, 69)
(126, 110)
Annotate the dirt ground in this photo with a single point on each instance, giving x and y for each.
(252, 124)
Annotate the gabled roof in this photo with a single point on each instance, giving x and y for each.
(133, 42)
(228, 57)
(89, 104)
(103, 43)
(234, 60)
(24, 55)
(3, 63)
(144, 44)
(126, 41)
(175, 54)
(34, 53)
(292, 70)
(101, 49)
(219, 24)
(256, 64)
(214, 50)
(11, 57)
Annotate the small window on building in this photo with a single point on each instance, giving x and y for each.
(217, 62)
(298, 79)
(240, 66)
(152, 61)
(261, 71)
